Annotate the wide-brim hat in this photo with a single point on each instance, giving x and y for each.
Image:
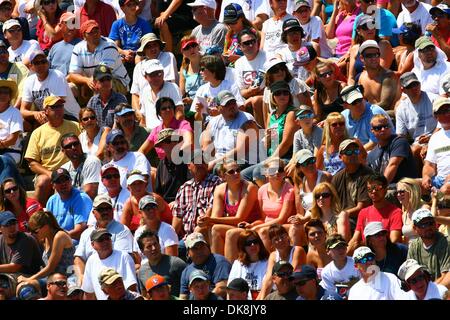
(12, 85)
(147, 38)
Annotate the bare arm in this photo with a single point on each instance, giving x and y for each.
(171, 250)
(127, 213)
(10, 268)
(330, 28)
(354, 243)
(76, 232)
(353, 212)
(37, 168)
(388, 92)
(428, 171)
(259, 20)
(79, 267)
(266, 287)
(351, 66)
(146, 147)
(395, 236)
(10, 140)
(220, 288)
(177, 225)
(290, 127)
(91, 189)
(343, 225)
(392, 167)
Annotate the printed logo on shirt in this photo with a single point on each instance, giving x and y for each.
(38, 97)
(248, 77)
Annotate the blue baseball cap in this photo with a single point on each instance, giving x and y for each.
(124, 111)
(113, 134)
(404, 30)
(307, 272)
(6, 217)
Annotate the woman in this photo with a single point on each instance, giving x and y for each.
(317, 252)
(165, 110)
(272, 27)
(14, 198)
(91, 135)
(365, 30)
(58, 246)
(251, 263)
(408, 33)
(295, 255)
(323, 9)
(47, 30)
(327, 89)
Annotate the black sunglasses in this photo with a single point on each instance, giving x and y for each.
(281, 93)
(351, 152)
(47, 2)
(104, 209)
(11, 190)
(306, 163)
(37, 63)
(371, 55)
(111, 176)
(118, 143)
(59, 283)
(424, 225)
(300, 283)
(380, 127)
(233, 171)
(248, 42)
(419, 278)
(85, 119)
(251, 242)
(323, 195)
(71, 145)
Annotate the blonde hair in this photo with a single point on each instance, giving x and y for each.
(326, 135)
(316, 212)
(379, 117)
(42, 218)
(413, 188)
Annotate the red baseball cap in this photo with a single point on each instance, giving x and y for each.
(87, 26)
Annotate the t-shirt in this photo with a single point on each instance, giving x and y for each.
(396, 254)
(378, 159)
(166, 234)
(272, 30)
(92, 150)
(247, 70)
(23, 251)
(60, 54)
(331, 275)
(23, 51)
(272, 208)
(390, 216)
(384, 22)
(253, 273)
(180, 126)
(434, 291)
(11, 121)
(416, 119)
(291, 295)
(383, 286)
(129, 35)
(88, 172)
(431, 79)
(118, 202)
(104, 14)
(44, 145)
(209, 36)
(314, 30)
(439, 152)
(169, 178)
(35, 91)
(251, 8)
(420, 16)
(302, 141)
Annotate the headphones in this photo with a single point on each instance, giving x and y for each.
(406, 287)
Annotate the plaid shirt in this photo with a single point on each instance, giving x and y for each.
(193, 199)
(105, 115)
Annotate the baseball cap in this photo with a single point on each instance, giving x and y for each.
(408, 268)
(58, 173)
(113, 134)
(361, 252)
(301, 3)
(334, 242)
(224, 97)
(66, 16)
(3, 1)
(88, 25)
(52, 100)
(291, 24)
(107, 167)
(442, 7)
(404, 30)
(272, 63)
(344, 144)
(446, 83)
(351, 93)
(212, 50)
(35, 53)
(155, 281)
(198, 274)
(185, 43)
(372, 228)
(108, 276)
(193, 239)
(10, 23)
(151, 66)
(303, 155)
(135, 177)
(279, 86)
(408, 78)
(439, 103)
(102, 198)
(146, 200)
(238, 284)
(98, 233)
(73, 288)
(168, 135)
(305, 54)
(368, 44)
(421, 214)
(101, 71)
(303, 108)
(423, 42)
(232, 13)
(6, 217)
(366, 19)
(279, 265)
(207, 3)
(147, 38)
(306, 272)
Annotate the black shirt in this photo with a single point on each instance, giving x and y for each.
(169, 178)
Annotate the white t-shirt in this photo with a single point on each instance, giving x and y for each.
(384, 286)
(272, 30)
(332, 275)
(253, 274)
(434, 291)
(31, 17)
(247, 71)
(431, 79)
(11, 121)
(147, 103)
(314, 30)
(251, 8)
(119, 261)
(439, 152)
(34, 91)
(118, 203)
(84, 142)
(22, 52)
(166, 234)
(289, 57)
(90, 172)
(296, 85)
(420, 16)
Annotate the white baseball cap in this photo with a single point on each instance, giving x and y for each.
(151, 66)
(207, 3)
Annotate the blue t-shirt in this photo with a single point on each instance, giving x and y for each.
(60, 55)
(129, 36)
(216, 267)
(72, 211)
(387, 23)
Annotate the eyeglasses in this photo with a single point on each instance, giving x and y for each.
(427, 49)
(371, 55)
(59, 283)
(118, 143)
(337, 124)
(251, 242)
(11, 190)
(300, 283)
(356, 102)
(281, 93)
(150, 206)
(283, 274)
(71, 145)
(412, 85)
(368, 1)
(306, 163)
(323, 195)
(104, 209)
(56, 106)
(61, 180)
(424, 225)
(419, 278)
(86, 119)
(351, 152)
(107, 78)
(375, 188)
(233, 171)
(39, 62)
(365, 27)
(47, 2)
(380, 127)
(274, 171)
(307, 115)
(248, 43)
(111, 176)
(325, 74)
(400, 192)
(366, 259)
(15, 30)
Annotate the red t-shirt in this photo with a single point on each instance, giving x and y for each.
(104, 14)
(390, 216)
(31, 206)
(445, 35)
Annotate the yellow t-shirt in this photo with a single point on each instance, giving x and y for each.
(44, 146)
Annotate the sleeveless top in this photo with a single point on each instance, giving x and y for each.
(135, 222)
(331, 226)
(192, 82)
(278, 124)
(64, 263)
(291, 255)
(333, 164)
(231, 209)
(407, 229)
(328, 10)
(327, 108)
(307, 197)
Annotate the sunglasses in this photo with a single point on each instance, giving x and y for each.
(251, 242)
(118, 143)
(351, 152)
(413, 85)
(274, 171)
(419, 278)
(150, 206)
(14, 30)
(366, 259)
(104, 209)
(427, 49)
(337, 124)
(233, 171)
(300, 283)
(380, 127)
(281, 93)
(248, 43)
(190, 46)
(155, 74)
(425, 224)
(39, 62)
(375, 188)
(325, 74)
(306, 163)
(56, 106)
(283, 274)
(71, 145)
(400, 192)
(59, 283)
(303, 116)
(356, 102)
(11, 190)
(46, 3)
(323, 195)
(166, 108)
(111, 176)
(86, 119)
(371, 55)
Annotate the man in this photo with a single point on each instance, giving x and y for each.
(106, 256)
(307, 285)
(92, 51)
(209, 31)
(224, 132)
(84, 169)
(43, 83)
(121, 236)
(158, 288)
(439, 29)
(112, 285)
(415, 11)
(237, 289)
(249, 72)
(374, 284)
(69, 205)
(418, 281)
(101, 12)
(61, 52)
(432, 65)
(199, 286)
(272, 28)
(195, 197)
(380, 210)
(392, 156)
(19, 252)
(157, 263)
(340, 274)
(153, 72)
(44, 149)
(216, 266)
(432, 248)
(19, 48)
(381, 85)
(436, 168)
(358, 113)
(281, 274)
(56, 287)
(6, 13)
(256, 11)
(351, 182)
